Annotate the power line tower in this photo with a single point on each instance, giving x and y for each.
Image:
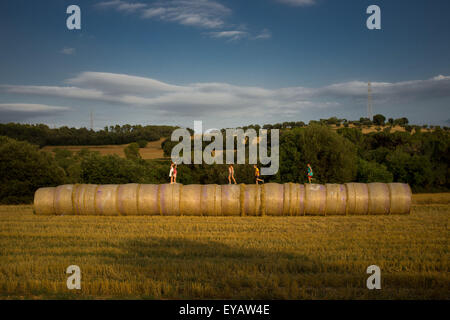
(369, 100)
(92, 121)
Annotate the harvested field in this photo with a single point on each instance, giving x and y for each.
(226, 257)
(153, 149)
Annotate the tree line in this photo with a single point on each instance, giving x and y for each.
(420, 159)
(42, 135)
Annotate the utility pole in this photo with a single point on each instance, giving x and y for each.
(369, 101)
(92, 121)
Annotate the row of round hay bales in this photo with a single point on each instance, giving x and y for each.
(273, 199)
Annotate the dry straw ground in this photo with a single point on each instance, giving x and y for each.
(153, 149)
(223, 257)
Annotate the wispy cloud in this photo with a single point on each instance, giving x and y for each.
(30, 107)
(22, 111)
(228, 100)
(199, 13)
(232, 35)
(122, 5)
(204, 14)
(265, 34)
(297, 3)
(68, 51)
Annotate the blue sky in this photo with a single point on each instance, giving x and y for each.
(228, 63)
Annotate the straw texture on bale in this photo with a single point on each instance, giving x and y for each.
(127, 195)
(231, 200)
(211, 200)
(336, 199)
(62, 201)
(400, 194)
(190, 199)
(77, 198)
(251, 200)
(147, 200)
(106, 200)
(89, 199)
(169, 199)
(272, 199)
(294, 195)
(83, 199)
(379, 201)
(315, 199)
(357, 198)
(43, 201)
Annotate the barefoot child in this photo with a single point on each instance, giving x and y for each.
(257, 174)
(310, 173)
(231, 174)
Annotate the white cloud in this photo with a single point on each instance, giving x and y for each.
(231, 35)
(297, 3)
(65, 92)
(68, 51)
(114, 83)
(122, 5)
(207, 14)
(265, 34)
(30, 107)
(17, 112)
(200, 13)
(224, 100)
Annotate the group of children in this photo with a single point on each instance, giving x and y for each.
(173, 173)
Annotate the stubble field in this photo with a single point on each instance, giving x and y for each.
(227, 257)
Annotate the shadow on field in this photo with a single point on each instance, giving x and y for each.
(178, 248)
(180, 268)
(186, 268)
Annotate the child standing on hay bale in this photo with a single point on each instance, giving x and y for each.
(175, 173)
(171, 173)
(310, 173)
(231, 174)
(257, 174)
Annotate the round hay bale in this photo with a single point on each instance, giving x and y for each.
(63, 199)
(293, 194)
(190, 200)
(336, 199)
(169, 199)
(83, 199)
(300, 199)
(251, 202)
(211, 200)
(43, 201)
(106, 200)
(147, 199)
(231, 196)
(379, 198)
(89, 199)
(315, 199)
(76, 198)
(357, 198)
(127, 196)
(273, 199)
(400, 194)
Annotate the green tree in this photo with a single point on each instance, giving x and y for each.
(132, 151)
(332, 157)
(112, 169)
(25, 169)
(373, 172)
(379, 119)
(142, 143)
